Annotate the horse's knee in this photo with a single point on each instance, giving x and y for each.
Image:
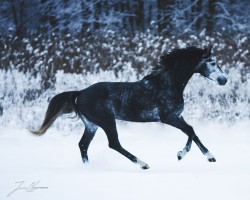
(190, 131)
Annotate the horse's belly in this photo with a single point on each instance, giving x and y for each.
(151, 115)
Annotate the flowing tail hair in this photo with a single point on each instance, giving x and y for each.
(62, 103)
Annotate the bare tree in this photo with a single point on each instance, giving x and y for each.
(18, 15)
(166, 17)
(233, 15)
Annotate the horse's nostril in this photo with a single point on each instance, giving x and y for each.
(222, 80)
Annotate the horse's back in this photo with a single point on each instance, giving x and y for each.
(127, 101)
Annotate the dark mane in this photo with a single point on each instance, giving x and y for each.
(177, 57)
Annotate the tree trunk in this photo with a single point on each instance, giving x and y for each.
(210, 16)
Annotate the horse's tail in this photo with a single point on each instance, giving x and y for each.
(62, 103)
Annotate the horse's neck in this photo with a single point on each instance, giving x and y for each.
(176, 80)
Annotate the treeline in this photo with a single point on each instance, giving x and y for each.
(94, 53)
(34, 69)
(21, 17)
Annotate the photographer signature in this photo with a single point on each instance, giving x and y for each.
(30, 188)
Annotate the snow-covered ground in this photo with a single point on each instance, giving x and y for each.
(53, 162)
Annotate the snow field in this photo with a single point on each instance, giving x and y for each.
(54, 160)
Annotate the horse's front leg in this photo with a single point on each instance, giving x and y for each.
(179, 122)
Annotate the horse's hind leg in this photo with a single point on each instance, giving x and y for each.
(110, 129)
(89, 133)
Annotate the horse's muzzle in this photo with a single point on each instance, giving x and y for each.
(222, 80)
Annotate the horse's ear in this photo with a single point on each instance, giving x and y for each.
(208, 51)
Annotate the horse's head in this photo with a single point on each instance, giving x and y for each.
(210, 69)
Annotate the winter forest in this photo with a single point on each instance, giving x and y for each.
(43, 44)
(51, 46)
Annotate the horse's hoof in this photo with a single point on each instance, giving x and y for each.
(180, 155)
(145, 166)
(211, 159)
(142, 164)
(85, 160)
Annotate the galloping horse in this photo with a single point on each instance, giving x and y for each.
(158, 97)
